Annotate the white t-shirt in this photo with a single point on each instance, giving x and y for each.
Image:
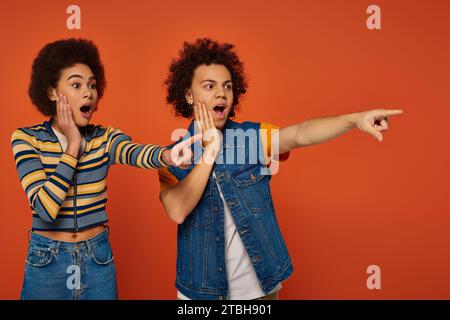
(63, 141)
(243, 284)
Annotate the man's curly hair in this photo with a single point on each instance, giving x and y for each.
(202, 52)
(55, 57)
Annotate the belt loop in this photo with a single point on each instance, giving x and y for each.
(58, 244)
(29, 235)
(89, 246)
(107, 230)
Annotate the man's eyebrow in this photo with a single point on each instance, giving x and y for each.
(208, 80)
(214, 81)
(78, 76)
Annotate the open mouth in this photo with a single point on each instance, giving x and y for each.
(86, 111)
(219, 111)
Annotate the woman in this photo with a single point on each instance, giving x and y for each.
(63, 165)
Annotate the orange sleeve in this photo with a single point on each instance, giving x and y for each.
(166, 179)
(267, 141)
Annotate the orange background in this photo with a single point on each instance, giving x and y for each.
(342, 206)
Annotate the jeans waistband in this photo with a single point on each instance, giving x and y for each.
(44, 242)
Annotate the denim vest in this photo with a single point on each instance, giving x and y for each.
(201, 269)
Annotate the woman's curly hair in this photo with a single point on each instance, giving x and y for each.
(55, 57)
(202, 52)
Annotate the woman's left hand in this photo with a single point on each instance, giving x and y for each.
(181, 154)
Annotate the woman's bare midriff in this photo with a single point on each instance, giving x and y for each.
(72, 236)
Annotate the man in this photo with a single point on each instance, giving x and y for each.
(229, 242)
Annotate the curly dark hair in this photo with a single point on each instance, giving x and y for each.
(202, 52)
(55, 57)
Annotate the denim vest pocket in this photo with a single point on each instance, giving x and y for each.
(253, 187)
(39, 257)
(101, 253)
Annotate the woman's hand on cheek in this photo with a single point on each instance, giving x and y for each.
(64, 118)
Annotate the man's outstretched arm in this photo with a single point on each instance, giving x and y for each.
(319, 130)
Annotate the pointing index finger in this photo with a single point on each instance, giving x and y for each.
(390, 112)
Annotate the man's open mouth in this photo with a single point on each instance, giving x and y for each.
(86, 111)
(219, 111)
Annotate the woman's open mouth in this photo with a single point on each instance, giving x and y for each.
(86, 111)
(219, 111)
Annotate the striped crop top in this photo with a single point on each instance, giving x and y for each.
(69, 194)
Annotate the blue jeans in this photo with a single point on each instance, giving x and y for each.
(57, 270)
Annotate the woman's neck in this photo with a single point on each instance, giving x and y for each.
(56, 126)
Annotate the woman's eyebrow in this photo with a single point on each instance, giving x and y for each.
(78, 76)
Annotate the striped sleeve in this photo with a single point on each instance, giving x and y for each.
(122, 150)
(45, 195)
